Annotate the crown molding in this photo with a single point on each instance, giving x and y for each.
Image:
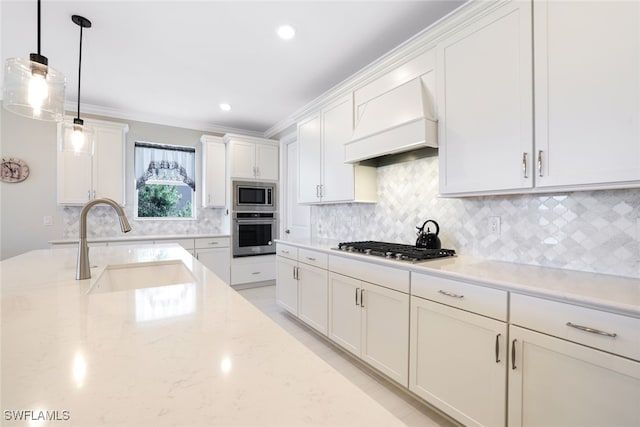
(160, 120)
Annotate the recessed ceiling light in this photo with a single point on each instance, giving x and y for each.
(286, 32)
(225, 107)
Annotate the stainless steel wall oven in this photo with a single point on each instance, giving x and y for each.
(253, 233)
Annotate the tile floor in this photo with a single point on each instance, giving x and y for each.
(411, 411)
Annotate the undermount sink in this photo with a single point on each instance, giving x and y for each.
(124, 277)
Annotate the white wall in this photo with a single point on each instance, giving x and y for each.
(24, 204)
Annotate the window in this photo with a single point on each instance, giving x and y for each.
(165, 181)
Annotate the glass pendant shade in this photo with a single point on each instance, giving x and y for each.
(33, 90)
(76, 138)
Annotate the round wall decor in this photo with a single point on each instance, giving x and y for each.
(13, 170)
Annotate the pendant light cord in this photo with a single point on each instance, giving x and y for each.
(79, 70)
(38, 27)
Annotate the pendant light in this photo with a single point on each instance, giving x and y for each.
(80, 134)
(32, 88)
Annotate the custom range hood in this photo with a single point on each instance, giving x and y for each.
(399, 120)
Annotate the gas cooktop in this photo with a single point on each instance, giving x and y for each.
(395, 251)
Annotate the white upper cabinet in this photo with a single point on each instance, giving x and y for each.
(587, 93)
(485, 103)
(253, 158)
(582, 60)
(323, 176)
(213, 172)
(309, 164)
(96, 171)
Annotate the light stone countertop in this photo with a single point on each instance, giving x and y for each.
(616, 294)
(194, 354)
(132, 238)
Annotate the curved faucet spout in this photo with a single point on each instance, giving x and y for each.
(83, 269)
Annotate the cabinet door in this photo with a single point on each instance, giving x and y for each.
(309, 161)
(553, 382)
(337, 176)
(485, 103)
(286, 284)
(345, 313)
(459, 362)
(214, 174)
(312, 296)
(587, 68)
(108, 163)
(385, 331)
(74, 178)
(243, 159)
(217, 260)
(267, 162)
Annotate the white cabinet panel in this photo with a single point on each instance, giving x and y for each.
(253, 269)
(309, 159)
(459, 362)
(214, 184)
(287, 284)
(313, 296)
(323, 177)
(553, 382)
(385, 331)
(485, 103)
(587, 80)
(345, 317)
(217, 260)
(253, 158)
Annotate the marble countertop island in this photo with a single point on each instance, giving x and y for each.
(191, 354)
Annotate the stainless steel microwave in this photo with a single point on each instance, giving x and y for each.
(254, 196)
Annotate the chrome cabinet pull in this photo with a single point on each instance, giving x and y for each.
(88, 194)
(213, 243)
(357, 296)
(310, 258)
(94, 194)
(293, 270)
(513, 354)
(498, 348)
(283, 251)
(256, 272)
(450, 294)
(362, 298)
(318, 191)
(321, 190)
(592, 330)
(524, 165)
(540, 163)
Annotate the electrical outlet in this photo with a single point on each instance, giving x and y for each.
(47, 220)
(494, 224)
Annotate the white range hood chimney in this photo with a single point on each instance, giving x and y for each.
(399, 120)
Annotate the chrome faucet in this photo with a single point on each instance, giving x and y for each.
(83, 269)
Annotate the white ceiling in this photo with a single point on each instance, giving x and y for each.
(173, 62)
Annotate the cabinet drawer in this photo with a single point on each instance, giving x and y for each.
(185, 243)
(212, 242)
(389, 277)
(317, 259)
(247, 273)
(286, 251)
(551, 317)
(477, 299)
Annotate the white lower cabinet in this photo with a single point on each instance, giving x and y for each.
(572, 366)
(553, 382)
(459, 362)
(287, 284)
(313, 296)
(372, 322)
(301, 285)
(215, 254)
(252, 269)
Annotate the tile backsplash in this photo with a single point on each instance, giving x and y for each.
(102, 221)
(595, 231)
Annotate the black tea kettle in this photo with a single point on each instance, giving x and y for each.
(427, 239)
